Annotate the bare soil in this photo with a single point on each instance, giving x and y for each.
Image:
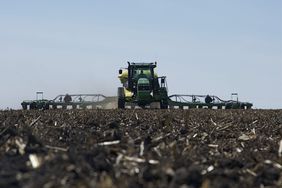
(141, 148)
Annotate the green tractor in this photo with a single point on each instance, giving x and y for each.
(142, 86)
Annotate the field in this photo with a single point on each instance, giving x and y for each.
(141, 148)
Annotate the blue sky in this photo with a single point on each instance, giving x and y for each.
(203, 47)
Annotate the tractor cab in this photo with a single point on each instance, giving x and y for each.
(143, 71)
(144, 90)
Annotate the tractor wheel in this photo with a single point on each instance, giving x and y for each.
(121, 98)
(121, 103)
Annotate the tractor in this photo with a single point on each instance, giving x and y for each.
(142, 86)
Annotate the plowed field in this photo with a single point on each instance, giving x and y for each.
(141, 148)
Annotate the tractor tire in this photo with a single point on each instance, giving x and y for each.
(121, 103)
(121, 98)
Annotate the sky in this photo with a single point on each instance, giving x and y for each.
(203, 47)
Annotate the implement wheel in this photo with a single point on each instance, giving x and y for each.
(164, 104)
(24, 106)
(33, 106)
